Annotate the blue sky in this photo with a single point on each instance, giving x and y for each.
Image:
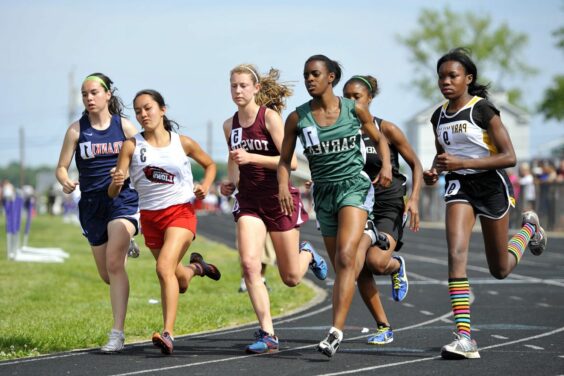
(185, 49)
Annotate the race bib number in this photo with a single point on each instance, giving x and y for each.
(310, 136)
(236, 138)
(452, 188)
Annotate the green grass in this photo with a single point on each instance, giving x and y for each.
(47, 308)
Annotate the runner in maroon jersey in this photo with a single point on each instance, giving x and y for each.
(254, 136)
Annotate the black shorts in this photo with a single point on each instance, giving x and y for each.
(387, 216)
(489, 193)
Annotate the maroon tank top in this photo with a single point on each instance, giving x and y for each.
(254, 139)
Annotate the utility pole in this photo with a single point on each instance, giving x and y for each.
(22, 156)
(209, 138)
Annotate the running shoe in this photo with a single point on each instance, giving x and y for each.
(317, 265)
(133, 250)
(461, 348)
(537, 244)
(115, 342)
(400, 284)
(164, 342)
(242, 286)
(377, 239)
(330, 344)
(382, 336)
(208, 270)
(265, 343)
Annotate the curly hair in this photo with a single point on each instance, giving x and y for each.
(272, 94)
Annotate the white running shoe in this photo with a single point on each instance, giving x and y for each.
(115, 342)
(330, 344)
(537, 244)
(461, 348)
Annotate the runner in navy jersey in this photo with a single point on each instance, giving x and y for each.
(95, 140)
(254, 136)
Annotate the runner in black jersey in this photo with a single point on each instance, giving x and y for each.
(388, 213)
(474, 148)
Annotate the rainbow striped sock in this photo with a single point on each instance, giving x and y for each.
(518, 243)
(459, 291)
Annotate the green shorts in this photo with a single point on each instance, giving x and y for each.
(329, 198)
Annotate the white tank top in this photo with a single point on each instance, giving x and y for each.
(162, 176)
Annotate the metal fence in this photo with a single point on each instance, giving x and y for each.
(549, 205)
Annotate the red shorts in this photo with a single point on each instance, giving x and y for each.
(267, 208)
(155, 222)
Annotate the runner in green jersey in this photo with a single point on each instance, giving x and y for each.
(329, 129)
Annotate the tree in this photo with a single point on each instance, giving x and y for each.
(496, 51)
(552, 104)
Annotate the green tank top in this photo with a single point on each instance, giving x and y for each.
(335, 152)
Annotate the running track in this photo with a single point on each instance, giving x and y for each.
(518, 323)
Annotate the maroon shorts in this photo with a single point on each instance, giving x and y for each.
(267, 208)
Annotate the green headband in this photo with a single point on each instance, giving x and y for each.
(97, 79)
(363, 80)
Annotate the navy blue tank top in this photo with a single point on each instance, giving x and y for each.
(96, 154)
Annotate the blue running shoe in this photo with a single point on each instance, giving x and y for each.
(400, 285)
(265, 343)
(317, 265)
(382, 336)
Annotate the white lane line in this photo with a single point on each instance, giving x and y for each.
(163, 369)
(553, 282)
(492, 292)
(513, 297)
(366, 369)
(409, 305)
(545, 305)
(534, 347)
(497, 336)
(427, 313)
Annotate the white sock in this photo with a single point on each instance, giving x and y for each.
(337, 332)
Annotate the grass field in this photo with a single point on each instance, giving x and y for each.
(47, 308)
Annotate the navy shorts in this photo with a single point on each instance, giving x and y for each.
(267, 208)
(489, 193)
(96, 210)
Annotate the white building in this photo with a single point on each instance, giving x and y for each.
(420, 134)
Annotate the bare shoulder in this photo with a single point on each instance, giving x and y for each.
(128, 128)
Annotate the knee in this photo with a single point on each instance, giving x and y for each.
(499, 273)
(345, 259)
(376, 264)
(291, 280)
(164, 271)
(115, 266)
(250, 268)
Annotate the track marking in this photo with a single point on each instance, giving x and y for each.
(239, 357)
(534, 347)
(498, 336)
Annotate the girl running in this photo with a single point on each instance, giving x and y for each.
(254, 137)
(95, 141)
(157, 160)
(329, 129)
(474, 148)
(388, 213)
